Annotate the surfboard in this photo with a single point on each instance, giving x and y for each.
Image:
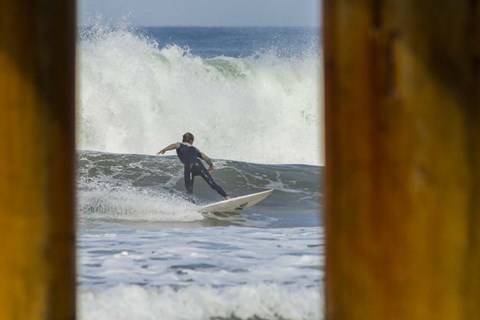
(236, 204)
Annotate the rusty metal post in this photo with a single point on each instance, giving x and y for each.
(37, 93)
(402, 159)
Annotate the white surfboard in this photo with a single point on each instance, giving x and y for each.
(236, 204)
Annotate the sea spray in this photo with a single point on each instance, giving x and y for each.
(137, 94)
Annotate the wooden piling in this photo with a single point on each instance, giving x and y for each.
(402, 159)
(37, 93)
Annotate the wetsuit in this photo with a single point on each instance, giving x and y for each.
(190, 157)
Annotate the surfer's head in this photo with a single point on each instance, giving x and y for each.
(188, 137)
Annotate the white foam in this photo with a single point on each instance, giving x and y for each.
(265, 301)
(137, 96)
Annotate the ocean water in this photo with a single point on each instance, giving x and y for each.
(251, 97)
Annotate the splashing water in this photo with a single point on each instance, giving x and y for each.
(137, 96)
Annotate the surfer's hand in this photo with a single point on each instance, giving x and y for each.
(161, 152)
(210, 169)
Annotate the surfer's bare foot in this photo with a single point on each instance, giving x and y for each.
(227, 198)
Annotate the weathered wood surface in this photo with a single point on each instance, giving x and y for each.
(37, 71)
(402, 159)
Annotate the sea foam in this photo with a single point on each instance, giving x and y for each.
(262, 301)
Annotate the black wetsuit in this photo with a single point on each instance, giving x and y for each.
(190, 157)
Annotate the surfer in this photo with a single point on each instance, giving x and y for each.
(190, 157)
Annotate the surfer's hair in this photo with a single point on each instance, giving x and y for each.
(187, 137)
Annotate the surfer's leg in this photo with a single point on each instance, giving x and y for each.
(203, 172)
(188, 178)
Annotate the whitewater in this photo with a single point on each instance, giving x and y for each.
(251, 96)
(138, 94)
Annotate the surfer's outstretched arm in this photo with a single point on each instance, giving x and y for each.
(173, 146)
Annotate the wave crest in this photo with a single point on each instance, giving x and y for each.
(136, 96)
